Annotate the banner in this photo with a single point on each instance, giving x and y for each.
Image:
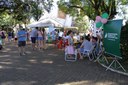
(111, 36)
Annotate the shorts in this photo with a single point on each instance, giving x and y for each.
(40, 38)
(81, 50)
(21, 43)
(33, 39)
(9, 37)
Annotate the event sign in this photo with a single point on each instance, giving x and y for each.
(111, 36)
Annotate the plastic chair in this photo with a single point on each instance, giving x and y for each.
(89, 53)
(70, 53)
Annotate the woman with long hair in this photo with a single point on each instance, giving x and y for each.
(40, 39)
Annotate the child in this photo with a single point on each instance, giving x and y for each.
(60, 43)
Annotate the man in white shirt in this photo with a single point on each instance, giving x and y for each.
(60, 35)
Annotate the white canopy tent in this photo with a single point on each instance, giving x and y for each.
(46, 22)
(38, 24)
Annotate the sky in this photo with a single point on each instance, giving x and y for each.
(123, 13)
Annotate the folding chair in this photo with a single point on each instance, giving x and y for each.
(89, 52)
(70, 54)
(100, 54)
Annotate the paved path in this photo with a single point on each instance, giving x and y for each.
(49, 68)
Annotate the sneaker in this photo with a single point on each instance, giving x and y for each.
(24, 53)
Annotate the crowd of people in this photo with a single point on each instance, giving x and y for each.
(61, 39)
(83, 44)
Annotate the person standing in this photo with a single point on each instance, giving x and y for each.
(60, 40)
(0, 33)
(44, 39)
(12, 33)
(40, 39)
(22, 36)
(3, 33)
(1, 46)
(53, 35)
(60, 35)
(9, 36)
(34, 34)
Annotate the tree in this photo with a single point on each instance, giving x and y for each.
(23, 10)
(17, 9)
(82, 23)
(47, 4)
(35, 10)
(6, 19)
(91, 8)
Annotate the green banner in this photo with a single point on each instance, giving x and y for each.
(112, 37)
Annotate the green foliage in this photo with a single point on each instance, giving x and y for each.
(91, 8)
(20, 11)
(124, 1)
(82, 23)
(35, 11)
(6, 19)
(23, 10)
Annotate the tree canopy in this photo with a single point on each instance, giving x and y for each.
(91, 8)
(21, 11)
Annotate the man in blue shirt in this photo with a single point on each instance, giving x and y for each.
(22, 36)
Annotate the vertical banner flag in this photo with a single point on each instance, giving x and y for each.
(112, 37)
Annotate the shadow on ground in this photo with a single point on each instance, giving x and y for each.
(48, 67)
